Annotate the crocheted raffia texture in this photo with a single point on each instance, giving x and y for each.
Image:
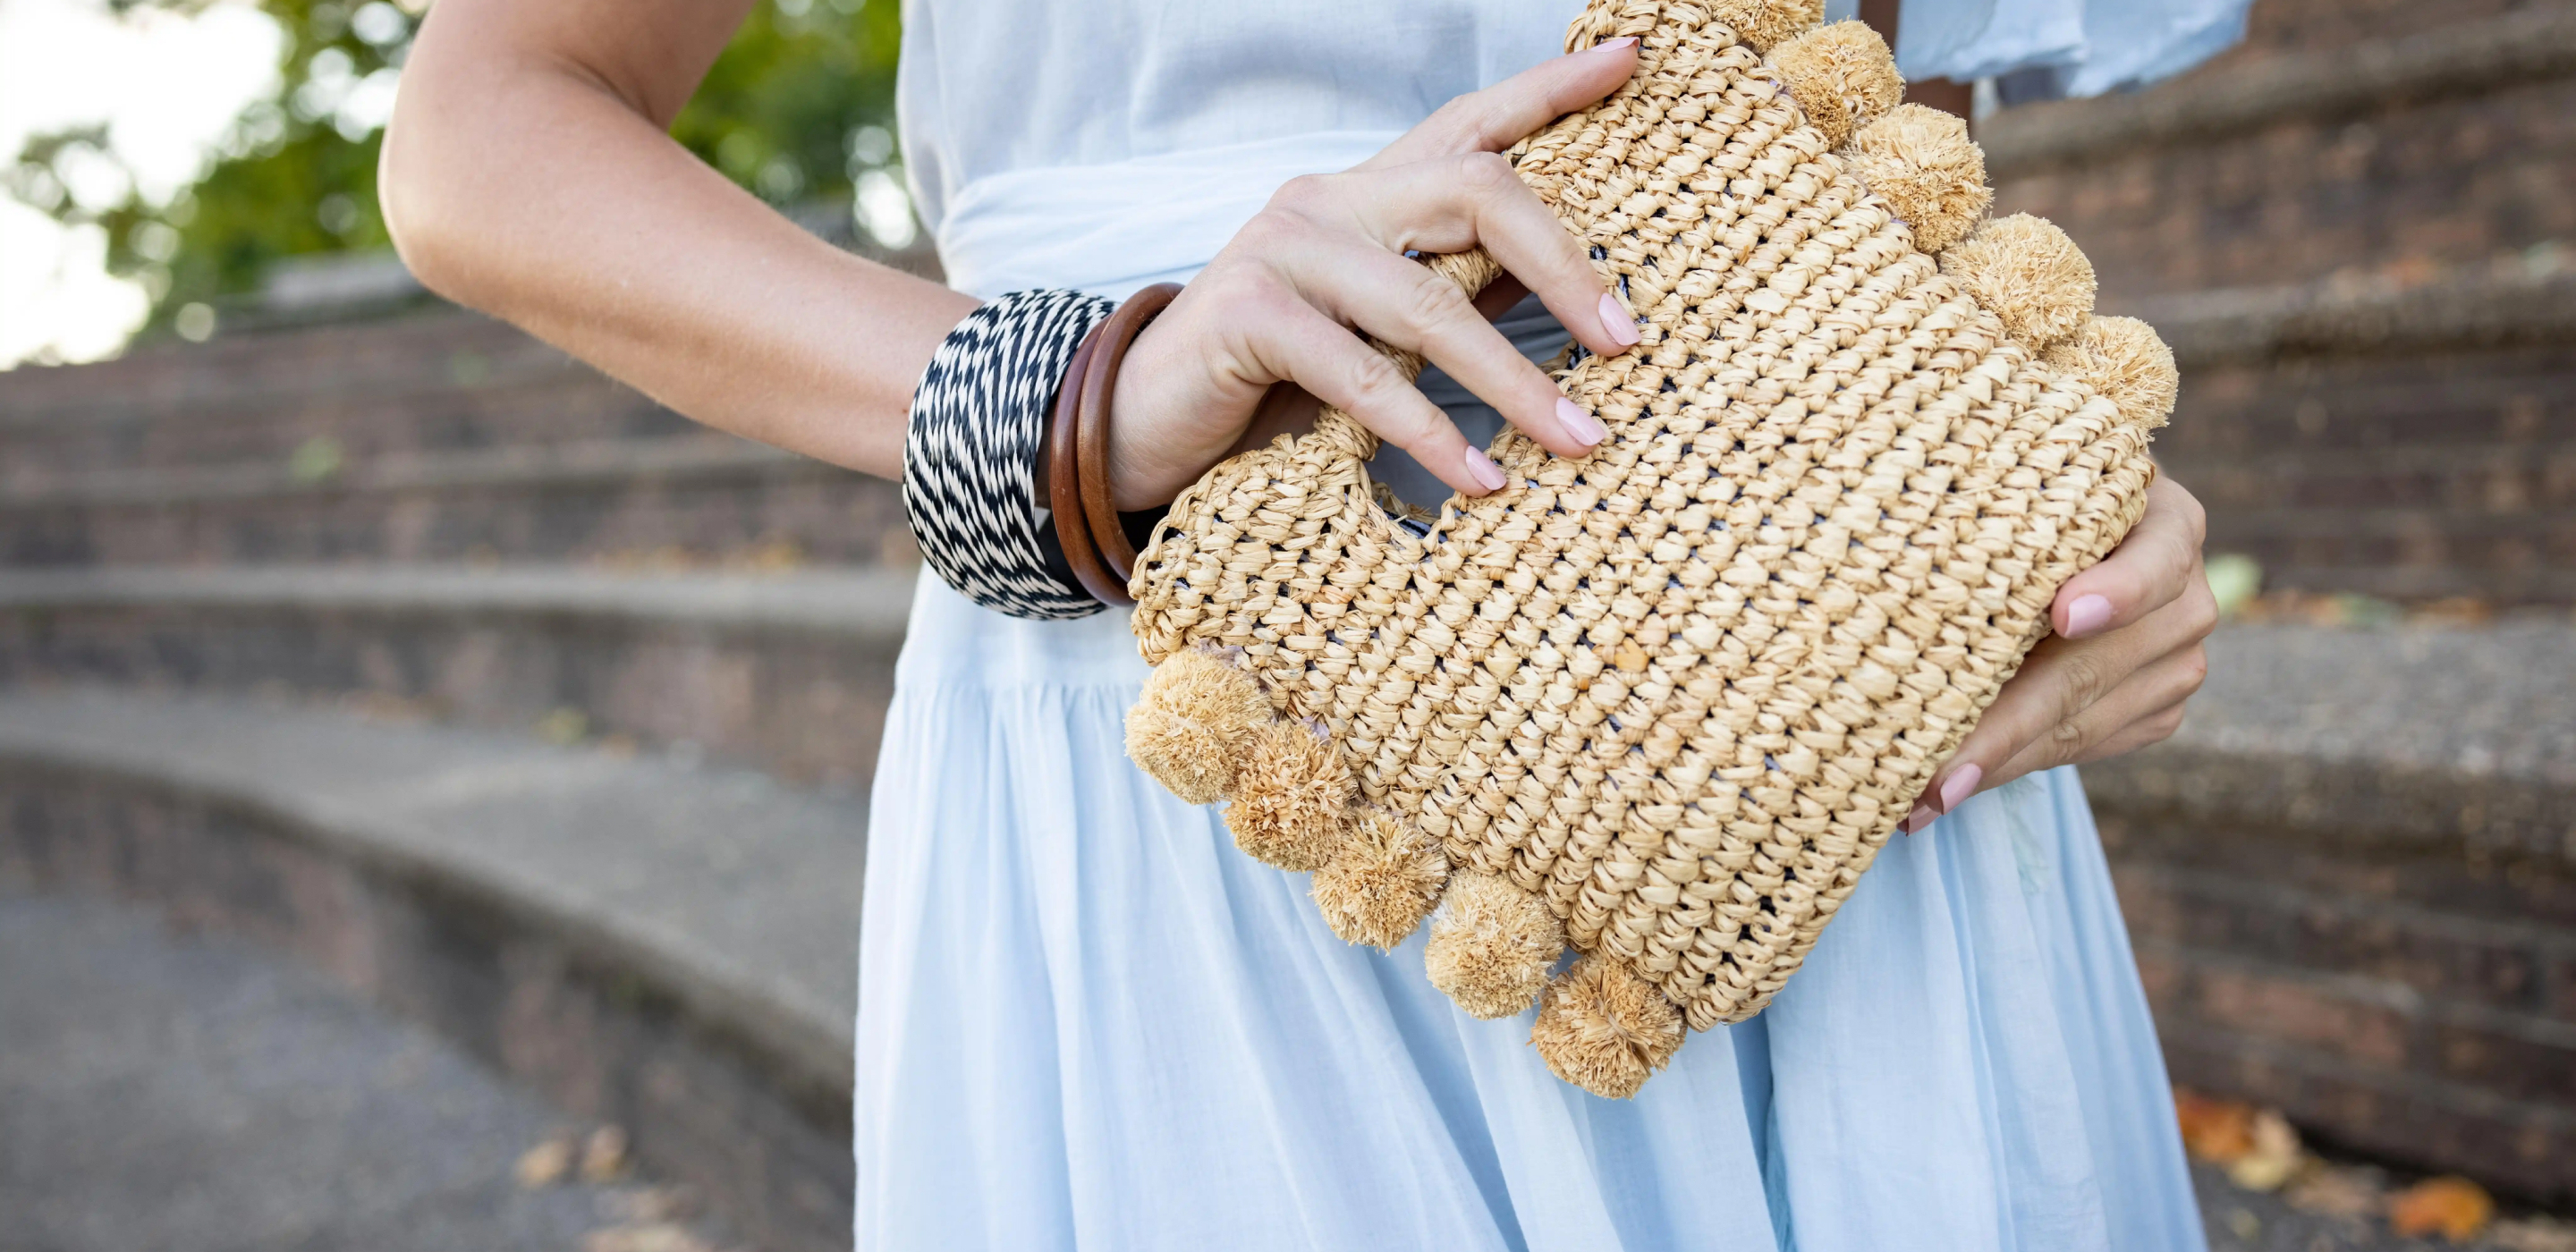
(1662, 704)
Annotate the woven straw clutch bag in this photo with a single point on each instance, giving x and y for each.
(1661, 705)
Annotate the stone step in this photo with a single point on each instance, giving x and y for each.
(416, 350)
(328, 419)
(2436, 145)
(787, 672)
(2351, 880)
(505, 389)
(2497, 478)
(702, 497)
(2275, 27)
(2413, 442)
(665, 947)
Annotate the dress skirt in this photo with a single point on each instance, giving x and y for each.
(1087, 1021)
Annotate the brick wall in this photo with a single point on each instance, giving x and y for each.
(2416, 1003)
(2275, 27)
(2412, 475)
(2406, 190)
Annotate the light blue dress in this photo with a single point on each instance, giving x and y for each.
(1086, 1021)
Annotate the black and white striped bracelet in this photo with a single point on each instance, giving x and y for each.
(979, 420)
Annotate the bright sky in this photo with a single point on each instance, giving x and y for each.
(168, 86)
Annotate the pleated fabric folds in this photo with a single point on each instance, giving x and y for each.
(1086, 1021)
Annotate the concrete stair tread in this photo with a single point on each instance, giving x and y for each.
(2421, 735)
(865, 603)
(579, 462)
(722, 888)
(2497, 699)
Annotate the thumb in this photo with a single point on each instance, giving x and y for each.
(1504, 114)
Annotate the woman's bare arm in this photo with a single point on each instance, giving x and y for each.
(528, 173)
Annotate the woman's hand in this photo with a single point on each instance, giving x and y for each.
(1280, 303)
(2126, 654)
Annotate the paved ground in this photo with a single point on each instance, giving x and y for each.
(169, 1091)
(189, 1092)
(2246, 1221)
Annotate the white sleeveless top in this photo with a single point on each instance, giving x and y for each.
(1108, 144)
(1087, 1022)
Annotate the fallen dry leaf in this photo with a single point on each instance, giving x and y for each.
(2273, 1156)
(649, 1204)
(545, 1164)
(2334, 1191)
(2450, 1206)
(603, 1158)
(2536, 1234)
(644, 1237)
(2212, 1129)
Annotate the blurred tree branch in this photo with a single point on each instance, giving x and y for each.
(799, 108)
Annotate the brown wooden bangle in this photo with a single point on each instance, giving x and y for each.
(1064, 483)
(1099, 384)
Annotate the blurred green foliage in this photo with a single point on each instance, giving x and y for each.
(797, 109)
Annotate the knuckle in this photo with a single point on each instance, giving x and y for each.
(1267, 234)
(1301, 194)
(2195, 670)
(1257, 290)
(1374, 378)
(2201, 617)
(2066, 741)
(2182, 560)
(1433, 303)
(1460, 120)
(2085, 680)
(2164, 725)
(2194, 515)
(1486, 172)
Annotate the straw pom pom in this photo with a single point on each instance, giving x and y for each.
(1604, 1029)
(1765, 24)
(1491, 945)
(2124, 360)
(1932, 176)
(1383, 881)
(1842, 76)
(2028, 273)
(1292, 798)
(1193, 724)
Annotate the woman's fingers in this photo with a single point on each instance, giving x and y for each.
(2150, 727)
(2152, 567)
(1326, 359)
(2061, 681)
(1502, 115)
(1406, 304)
(2116, 722)
(1453, 203)
(1264, 312)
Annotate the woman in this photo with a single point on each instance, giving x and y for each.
(1084, 1019)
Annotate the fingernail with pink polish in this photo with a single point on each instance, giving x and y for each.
(1586, 429)
(1612, 45)
(2087, 615)
(1918, 819)
(1960, 786)
(1616, 322)
(1482, 469)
